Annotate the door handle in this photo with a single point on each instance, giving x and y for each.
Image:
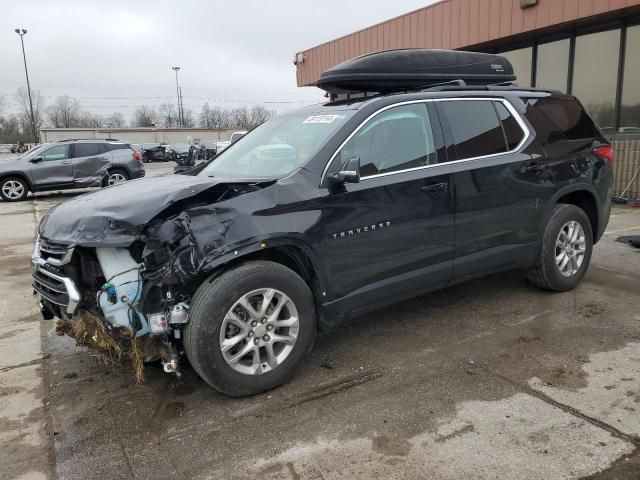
(66, 162)
(435, 188)
(536, 167)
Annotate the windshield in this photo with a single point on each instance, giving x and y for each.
(34, 150)
(277, 147)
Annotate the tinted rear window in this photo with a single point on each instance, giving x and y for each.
(569, 116)
(475, 128)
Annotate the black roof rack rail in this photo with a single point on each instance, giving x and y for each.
(82, 139)
(461, 86)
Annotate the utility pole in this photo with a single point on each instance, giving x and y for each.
(22, 32)
(182, 108)
(175, 69)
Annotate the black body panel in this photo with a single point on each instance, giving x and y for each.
(360, 245)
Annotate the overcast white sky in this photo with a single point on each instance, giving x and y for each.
(116, 54)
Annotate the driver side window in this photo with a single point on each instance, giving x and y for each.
(399, 138)
(57, 152)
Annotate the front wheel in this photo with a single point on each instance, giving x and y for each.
(567, 244)
(251, 328)
(13, 189)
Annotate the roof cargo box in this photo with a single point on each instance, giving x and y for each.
(413, 69)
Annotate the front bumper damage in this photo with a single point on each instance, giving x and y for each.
(119, 273)
(115, 325)
(131, 259)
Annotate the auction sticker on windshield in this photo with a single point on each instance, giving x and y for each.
(321, 119)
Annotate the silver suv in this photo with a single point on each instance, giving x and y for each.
(69, 164)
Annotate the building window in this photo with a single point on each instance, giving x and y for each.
(552, 66)
(595, 74)
(521, 61)
(630, 113)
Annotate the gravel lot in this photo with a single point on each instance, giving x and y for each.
(488, 379)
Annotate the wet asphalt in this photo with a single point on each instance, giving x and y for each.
(488, 379)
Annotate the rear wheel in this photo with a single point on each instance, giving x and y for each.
(115, 176)
(566, 250)
(13, 189)
(250, 329)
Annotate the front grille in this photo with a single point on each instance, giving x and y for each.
(48, 277)
(51, 288)
(49, 249)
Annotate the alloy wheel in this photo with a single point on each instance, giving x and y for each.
(571, 247)
(116, 178)
(13, 189)
(259, 331)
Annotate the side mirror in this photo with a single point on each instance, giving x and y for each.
(350, 172)
(36, 160)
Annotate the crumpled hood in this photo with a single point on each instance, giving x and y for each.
(115, 216)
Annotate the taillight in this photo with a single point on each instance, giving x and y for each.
(137, 156)
(606, 152)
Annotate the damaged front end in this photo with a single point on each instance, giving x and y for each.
(119, 276)
(96, 293)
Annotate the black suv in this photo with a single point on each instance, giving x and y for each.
(69, 164)
(327, 213)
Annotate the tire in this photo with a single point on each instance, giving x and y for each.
(115, 176)
(13, 189)
(549, 274)
(210, 310)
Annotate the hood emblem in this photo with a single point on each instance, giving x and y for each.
(359, 230)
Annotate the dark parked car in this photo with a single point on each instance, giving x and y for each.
(207, 150)
(69, 164)
(181, 153)
(153, 152)
(328, 213)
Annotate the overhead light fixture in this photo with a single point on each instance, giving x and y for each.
(298, 58)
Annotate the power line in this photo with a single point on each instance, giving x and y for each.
(146, 87)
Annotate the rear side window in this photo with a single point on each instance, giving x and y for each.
(397, 139)
(86, 149)
(568, 116)
(117, 146)
(513, 134)
(475, 128)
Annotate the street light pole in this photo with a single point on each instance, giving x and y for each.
(175, 69)
(22, 32)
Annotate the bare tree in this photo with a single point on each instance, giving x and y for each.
(144, 116)
(168, 116)
(115, 120)
(258, 115)
(30, 124)
(89, 120)
(244, 118)
(65, 112)
(247, 119)
(10, 130)
(214, 117)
